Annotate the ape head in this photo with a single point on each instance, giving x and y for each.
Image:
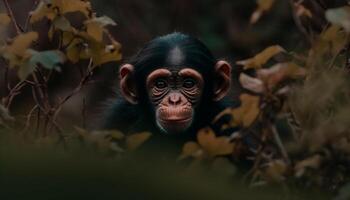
(175, 81)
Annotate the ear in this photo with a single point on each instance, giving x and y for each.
(222, 82)
(127, 84)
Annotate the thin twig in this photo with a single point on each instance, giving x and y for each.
(13, 19)
(298, 22)
(29, 116)
(279, 143)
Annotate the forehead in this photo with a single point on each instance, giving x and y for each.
(184, 71)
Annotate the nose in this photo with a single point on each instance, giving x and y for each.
(174, 99)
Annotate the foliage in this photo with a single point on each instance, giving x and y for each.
(292, 124)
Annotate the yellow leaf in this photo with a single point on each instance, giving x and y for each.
(275, 171)
(67, 6)
(42, 10)
(214, 146)
(334, 39)
(258, 60)
(244, 115)
(265, 5)
(95, 27)
(21, 43)
(190, 149)
(108, 54)
(73, 51)
(4, 19)
(59, 7)
(135, 140)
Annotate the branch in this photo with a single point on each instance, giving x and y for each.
(13, 19)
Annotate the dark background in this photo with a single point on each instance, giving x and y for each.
(223, 25)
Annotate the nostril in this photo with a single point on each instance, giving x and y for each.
(174, 99)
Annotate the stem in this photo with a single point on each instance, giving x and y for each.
(298, 22)
(279, 143)
(13, 19)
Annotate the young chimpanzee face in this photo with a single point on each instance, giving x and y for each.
(174, 95)
(172, 80)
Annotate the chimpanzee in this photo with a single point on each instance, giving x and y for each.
(173, 86)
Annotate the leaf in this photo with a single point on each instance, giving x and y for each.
(339, 16)
(251, 84)
(52, 8)
(107, 54)
(95, 26)
(244, 115)
(334, 39)
(279, 72)
(4, 19)
(214, 146)
(191, 149)
(312, 162)
(21, 43)
(48, 59)
(263, 6)
(135, 140)
(258, 60)
(68, 6)
(301, 10)
(62, 23)
(25, 70)
(86, 47)
(43, 9)
(275, 171)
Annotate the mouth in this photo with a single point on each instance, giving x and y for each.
(176, 120)
(176, 125)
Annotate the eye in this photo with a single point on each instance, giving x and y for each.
(189, 83)
(160, 83)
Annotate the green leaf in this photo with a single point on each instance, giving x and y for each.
(48, 59)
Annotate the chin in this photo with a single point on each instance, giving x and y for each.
(174, 127)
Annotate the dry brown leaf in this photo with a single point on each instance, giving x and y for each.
(251, 84)
(312, 162)
(282, 71)
(302, 11)
(261, 58)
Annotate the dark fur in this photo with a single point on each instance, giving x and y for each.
(131, 118)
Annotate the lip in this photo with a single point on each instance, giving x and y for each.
(181, 120)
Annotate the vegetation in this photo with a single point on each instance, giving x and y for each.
(293, 131)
